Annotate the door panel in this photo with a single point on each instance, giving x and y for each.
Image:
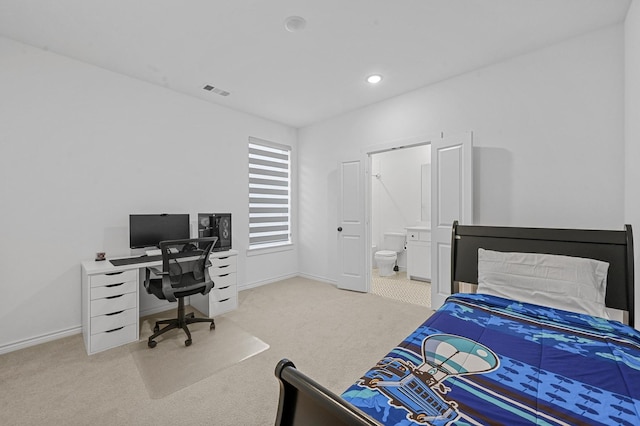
(452, 198)
(449, 178)
(350, 229)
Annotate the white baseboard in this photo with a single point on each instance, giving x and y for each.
(247, 286)
(317, 278)
(14, 346)
(156, 309)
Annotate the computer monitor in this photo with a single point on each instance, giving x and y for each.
(147, 230)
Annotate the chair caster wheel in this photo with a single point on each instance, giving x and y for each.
(212, 326)
(152, 343)
(187, 342)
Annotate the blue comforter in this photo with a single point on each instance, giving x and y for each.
(487, 360)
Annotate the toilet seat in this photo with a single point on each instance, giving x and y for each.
(386, 253)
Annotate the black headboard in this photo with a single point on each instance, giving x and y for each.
(614, 247)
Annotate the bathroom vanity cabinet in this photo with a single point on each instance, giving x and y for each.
(419, 253)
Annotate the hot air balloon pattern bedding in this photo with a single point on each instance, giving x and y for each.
(482, 359)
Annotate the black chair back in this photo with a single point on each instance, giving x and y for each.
(185, 267)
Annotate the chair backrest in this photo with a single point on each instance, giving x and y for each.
(185, 267)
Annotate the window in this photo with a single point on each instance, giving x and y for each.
(269, 194)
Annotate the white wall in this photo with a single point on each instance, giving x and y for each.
(396, 192)
(548, 137)
(80, 149)
(632, 132)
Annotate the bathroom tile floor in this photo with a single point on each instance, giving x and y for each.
(401, 288)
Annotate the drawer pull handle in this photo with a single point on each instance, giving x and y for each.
(224, 300)
(114, 313)
(223, 266)
(221, 258)
(115, 329)
(114, 273)
(114, 297)
(223, 275)
(114, 285)
(222, 288)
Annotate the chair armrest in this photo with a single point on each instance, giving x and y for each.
(156, 270)
(147, 277)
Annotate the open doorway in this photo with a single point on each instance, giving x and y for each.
(399, 212)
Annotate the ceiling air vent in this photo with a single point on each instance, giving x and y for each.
(210, 88)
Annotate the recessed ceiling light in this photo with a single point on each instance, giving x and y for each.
(294, 23)
(374, 79)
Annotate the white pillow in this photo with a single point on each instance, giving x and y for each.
(563, 282)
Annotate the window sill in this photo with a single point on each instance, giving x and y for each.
(268, 250)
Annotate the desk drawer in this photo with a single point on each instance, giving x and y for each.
(224, 262)
(107, 322)
(222, 270)
(223, 306)
(222, 293)
(115, 278)
(113, 290)
(113, 304)
(106, 340)
(224, 280)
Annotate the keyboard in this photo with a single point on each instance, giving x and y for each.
(145, 259)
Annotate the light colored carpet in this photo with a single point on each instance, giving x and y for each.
(332, 335)
(401, 288)
(211, 351)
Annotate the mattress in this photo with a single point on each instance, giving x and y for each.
(483, 359)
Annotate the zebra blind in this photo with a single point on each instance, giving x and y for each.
(269, 194)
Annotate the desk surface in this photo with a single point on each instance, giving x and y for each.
(93, 267)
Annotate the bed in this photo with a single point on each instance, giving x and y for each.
(493, 358)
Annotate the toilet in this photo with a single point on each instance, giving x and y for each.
(386, 258)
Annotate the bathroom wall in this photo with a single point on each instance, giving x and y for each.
(396, 192)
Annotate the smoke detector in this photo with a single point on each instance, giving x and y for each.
(294, 23)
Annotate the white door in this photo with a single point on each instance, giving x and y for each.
(350, 228)
(451, 199)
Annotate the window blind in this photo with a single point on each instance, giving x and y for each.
(269, 194)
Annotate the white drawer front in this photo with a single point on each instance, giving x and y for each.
(117, 303)
(106, 340)
(222, 293)
(103, 323)
(216, 271)
(223, 262)
(228, 305)
(113, 289)
(120, 277)
(224, 280)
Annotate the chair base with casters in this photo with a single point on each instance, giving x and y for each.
(182, 321)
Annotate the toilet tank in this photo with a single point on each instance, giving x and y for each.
(394, 241)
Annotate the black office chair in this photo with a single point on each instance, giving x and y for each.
(185, 272)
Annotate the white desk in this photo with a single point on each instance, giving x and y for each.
(110, 298)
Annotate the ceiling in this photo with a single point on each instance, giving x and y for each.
(298, 78)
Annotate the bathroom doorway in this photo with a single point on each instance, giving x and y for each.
(400, 200)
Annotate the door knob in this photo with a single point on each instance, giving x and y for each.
(339, 228)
